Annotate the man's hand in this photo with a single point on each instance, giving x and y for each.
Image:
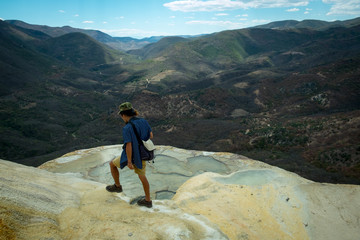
(128, 150)
(130, 165)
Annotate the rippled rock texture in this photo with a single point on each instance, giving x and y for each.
(197, 195)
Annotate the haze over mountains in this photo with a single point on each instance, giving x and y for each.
(119, 43)
(286, 93)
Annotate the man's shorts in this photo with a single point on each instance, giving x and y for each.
(138, 171)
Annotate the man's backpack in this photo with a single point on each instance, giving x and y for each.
(146, 148)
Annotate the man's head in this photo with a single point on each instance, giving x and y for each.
(124, 107)
(126, 111)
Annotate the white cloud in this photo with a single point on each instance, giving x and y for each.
(227, 24)
(222, 5)
(137, 33)
(339, 7)
(221, 14)
(293, 10)
(76, 15)
(260, 21)
(307, 10)
(105, 22)
(61, 11)
(242, 17)
(88, 22)
(172, 17)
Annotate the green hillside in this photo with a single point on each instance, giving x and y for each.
(49, 97)
(79, 50)
(20, 63)
(157, 49)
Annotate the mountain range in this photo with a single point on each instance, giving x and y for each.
(286, 93)
(119, 43)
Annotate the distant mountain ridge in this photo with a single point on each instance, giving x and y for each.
(123, 44)
(129, 43)
(312, 24)
(119, 43)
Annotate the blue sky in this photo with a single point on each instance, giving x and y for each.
(144, 18)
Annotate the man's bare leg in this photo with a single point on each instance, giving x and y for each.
(115, 174)
(146, 187)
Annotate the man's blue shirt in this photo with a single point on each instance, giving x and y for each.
(143, 128)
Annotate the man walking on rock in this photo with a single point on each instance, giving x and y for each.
(130, 155)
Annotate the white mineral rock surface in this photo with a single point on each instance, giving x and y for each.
(196, 195)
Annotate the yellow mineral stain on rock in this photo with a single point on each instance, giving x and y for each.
(6, 232)
(243, 212)
(103, 215)
(19, 222)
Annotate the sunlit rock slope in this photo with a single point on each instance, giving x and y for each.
(197, 195)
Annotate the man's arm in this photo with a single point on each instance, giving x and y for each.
(129, 154)
(151, 135)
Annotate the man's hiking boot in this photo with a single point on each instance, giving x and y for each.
(145, 203)
(114, 188)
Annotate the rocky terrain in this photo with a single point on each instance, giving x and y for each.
(196, 195)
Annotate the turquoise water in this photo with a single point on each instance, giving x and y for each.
(168, 173)
(249, 177)
(202, 164)
(164, 194)
(168, 165)
(165, 175)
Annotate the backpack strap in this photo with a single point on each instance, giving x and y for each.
(140, 142)
(150, 154)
